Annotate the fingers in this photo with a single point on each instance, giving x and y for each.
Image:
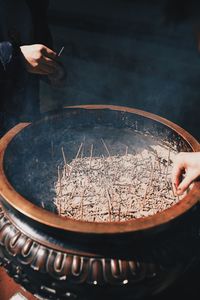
(48, 52)
(185, 171)
(39, 59)
(184, 185)
(178, 171)
(43, 69)
(48, 63)
(48, 66)
(48, 69)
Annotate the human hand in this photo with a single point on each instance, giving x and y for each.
(186, 169)
(39, 59)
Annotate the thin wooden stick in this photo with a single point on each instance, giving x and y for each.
(109, 205)
(142, 157)
(82, 152)
(135, 169)
(68, 213)
(61, 50)
(66, 166)
(155, 153)
(126, 153)
(149, 183)
(152, 173)
(115, 177)
(81, 204)
(91, 153)
(128, 207)
(73, 192)
(59, 180)
(60, 207)
(64, 157)
(167, 168)
(96, 212)
(103, 142)
(146, 191)
(79, 150)
(52, 149)
(136, 125)
(103, 159)
(159, 164)
(119, 211)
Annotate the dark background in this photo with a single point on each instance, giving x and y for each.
(136, 53)
(141, 54)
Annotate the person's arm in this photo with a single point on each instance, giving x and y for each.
(37, 59)
(186, 169)
(42, 35)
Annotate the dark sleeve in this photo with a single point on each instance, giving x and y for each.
(11, 69)
(7, 66)
(42, 33)
(9, 59)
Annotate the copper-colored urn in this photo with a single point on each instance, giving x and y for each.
(64, 258)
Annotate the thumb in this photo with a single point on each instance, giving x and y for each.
(184, 185)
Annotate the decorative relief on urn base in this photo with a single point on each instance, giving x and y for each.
(58, 275)
(22, 256)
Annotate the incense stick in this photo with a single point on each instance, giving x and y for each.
(59, 180)
(79, 150)
(91, 153)
(81, 203)
(52, 149)
(66, 167)
(126, 153)
(167, 168)
(61, 50)
(109, 205)
(103, 142)
(64, 157)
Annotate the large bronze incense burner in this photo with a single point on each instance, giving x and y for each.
(58, 255)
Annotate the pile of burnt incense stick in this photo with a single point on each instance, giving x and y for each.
(115, 188)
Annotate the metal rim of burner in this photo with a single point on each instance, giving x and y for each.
(36, 213)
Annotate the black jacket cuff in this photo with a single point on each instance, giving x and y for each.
(6, 54)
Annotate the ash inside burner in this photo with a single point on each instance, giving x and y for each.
(120, 172)
(115, 187)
